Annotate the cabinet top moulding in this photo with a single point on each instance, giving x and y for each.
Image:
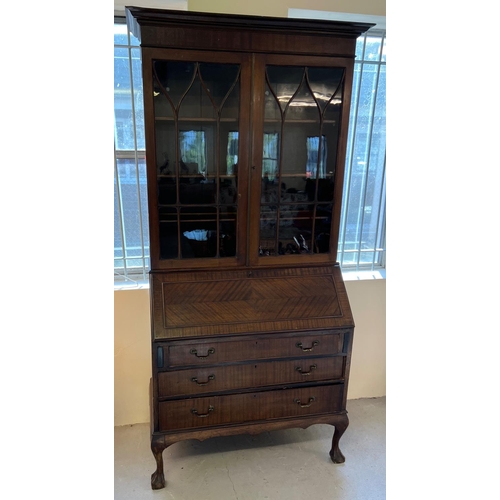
(210, 31)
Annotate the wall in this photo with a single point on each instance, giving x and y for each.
(132, 367)
(280, 7)
(261, 7)
(133, 358)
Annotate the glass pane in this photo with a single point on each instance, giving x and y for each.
(168, 233)
(364, 208)
(134, 40)
(124, 124)
(121, 34)
(302, 120)
(117, 233)
(295, 232)
(373, 197)
(192, 192)
(132, 206)
(228, 194)
(284, 82)
(360, 43)
(197, 102)
(372, 48)
(270, 154)
(295, 149)
(193, 153)
(227, 229)
(268, 218)
(165, 148)
(167, 190)
(302, 106)
(173, 80)
(138, 98)
(322, 225)
(219, 82)
(196, 115)
(198, 227)
(131, 235)
(228, 132)
(231, 149)
(360, 158)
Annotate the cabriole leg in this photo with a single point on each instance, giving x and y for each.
(157, 447)
(340, 427)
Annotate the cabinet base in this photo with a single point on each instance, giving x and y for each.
(161, 441)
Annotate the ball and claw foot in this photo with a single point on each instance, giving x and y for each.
(335, 453)
(157, 480)
(336, 456)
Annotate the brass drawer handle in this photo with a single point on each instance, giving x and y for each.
(195, 352)
(210, 377)
(311, 368)
(311, 400)
(314, 344)
(201, 415)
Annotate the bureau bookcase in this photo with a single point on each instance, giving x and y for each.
(246, 122)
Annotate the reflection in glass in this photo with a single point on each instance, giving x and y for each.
(168, 232)
(270, 156)
(193, 152)
(316, 161)
(232, 153)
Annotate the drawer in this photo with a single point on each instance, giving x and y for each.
(250, 407)
(251, 349)
(264, 373)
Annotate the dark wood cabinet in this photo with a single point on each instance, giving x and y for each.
(246, 124)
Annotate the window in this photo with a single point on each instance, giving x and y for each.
(131, 239)
(362, 227)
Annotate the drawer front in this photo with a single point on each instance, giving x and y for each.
(257, 348)
(261, 374)
(250, 407)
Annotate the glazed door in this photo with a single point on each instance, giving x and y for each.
(197, 126)
(298, 157)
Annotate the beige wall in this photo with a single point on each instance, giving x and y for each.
(367, 297)
(133, 358)
(280, 7)
(262, 7)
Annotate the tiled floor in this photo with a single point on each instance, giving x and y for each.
(289, 464)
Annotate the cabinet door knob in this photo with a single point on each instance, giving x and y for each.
(194, 411)
(311, 400)
(195, 352)
(300, 346)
